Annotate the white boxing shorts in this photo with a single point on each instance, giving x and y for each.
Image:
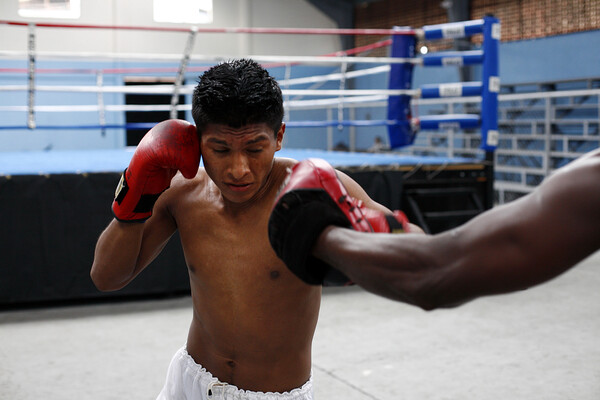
(187, 380)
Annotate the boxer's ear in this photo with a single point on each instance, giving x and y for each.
(279, 136)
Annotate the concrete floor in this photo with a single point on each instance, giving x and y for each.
(537, 344)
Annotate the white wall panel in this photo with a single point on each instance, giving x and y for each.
(227, 13)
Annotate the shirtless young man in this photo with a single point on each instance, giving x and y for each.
(508, 248)
(253, 320)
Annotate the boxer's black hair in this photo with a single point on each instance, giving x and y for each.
(237, 93)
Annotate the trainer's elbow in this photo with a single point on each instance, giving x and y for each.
(430, 298)
(424, 300)
(431, 303)
(423, 289)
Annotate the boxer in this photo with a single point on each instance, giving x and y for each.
(253, 320)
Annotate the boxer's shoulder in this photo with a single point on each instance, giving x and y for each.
(181, 183)
(282, 167)
(284, 162)
(195, 192)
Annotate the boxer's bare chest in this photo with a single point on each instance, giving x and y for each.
(219, 242)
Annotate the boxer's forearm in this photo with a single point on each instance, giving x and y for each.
(116, 255)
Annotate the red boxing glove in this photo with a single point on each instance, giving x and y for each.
(313, 199)
(169, 146)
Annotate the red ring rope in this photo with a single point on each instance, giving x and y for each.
(287, 31)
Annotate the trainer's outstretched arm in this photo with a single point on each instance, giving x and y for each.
(508, 248)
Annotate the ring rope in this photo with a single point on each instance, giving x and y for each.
(336, 76)
(138, 70)
(331, 59)
(284, 82)
(355, 101)
(189, 89)
(150, 125)
(284, 31)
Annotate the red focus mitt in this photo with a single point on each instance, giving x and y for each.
(312, 199)
(169, 146)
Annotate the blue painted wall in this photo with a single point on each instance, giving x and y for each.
(572, 56)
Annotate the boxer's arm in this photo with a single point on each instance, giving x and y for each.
(137, 236)
(123, 249)
(508, 248)
(356, 191)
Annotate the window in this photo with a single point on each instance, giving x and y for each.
(183, 11)
(50, 8)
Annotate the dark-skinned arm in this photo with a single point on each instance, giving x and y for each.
(509, 248)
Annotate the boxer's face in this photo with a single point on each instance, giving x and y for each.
(239, 160)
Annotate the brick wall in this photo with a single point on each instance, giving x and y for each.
(521, 19)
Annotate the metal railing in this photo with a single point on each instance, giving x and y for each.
(539, 132)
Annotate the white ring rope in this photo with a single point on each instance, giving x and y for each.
(213, 58)
(335, 76)
(189, 89)
(356, 101)
(95, 108)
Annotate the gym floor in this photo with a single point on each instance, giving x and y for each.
(541, 343)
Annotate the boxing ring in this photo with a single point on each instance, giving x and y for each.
(55, 199)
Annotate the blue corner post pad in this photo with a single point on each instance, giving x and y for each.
(401, 134)
(490, 83)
